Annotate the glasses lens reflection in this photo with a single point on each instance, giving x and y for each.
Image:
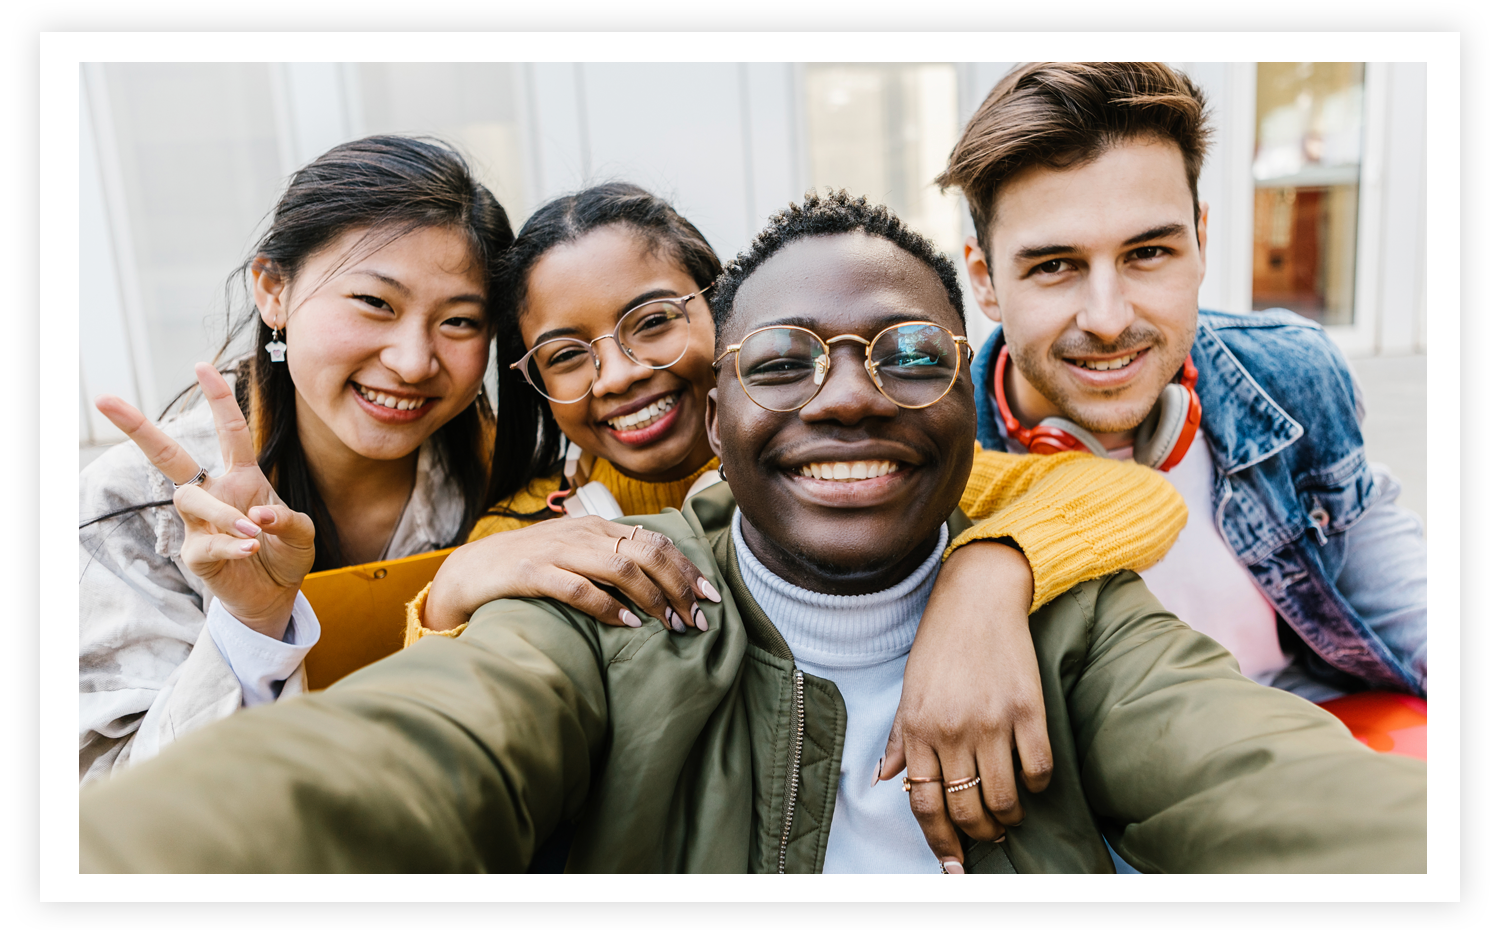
(779, 367)
(917, 363)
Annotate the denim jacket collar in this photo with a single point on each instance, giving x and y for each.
(1249, 427)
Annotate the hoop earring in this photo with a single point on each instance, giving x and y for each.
(722, 476)
(276, 348)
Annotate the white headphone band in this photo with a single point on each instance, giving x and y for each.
(1157, 435)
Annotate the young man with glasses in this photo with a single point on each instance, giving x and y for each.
(748, 747)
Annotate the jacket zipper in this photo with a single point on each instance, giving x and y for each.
(794, 768)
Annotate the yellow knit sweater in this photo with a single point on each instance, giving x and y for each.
(1074, 515)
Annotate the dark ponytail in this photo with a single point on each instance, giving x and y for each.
(527, 439)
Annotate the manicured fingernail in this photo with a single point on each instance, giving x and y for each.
(699, 620)
(1000, 838)
(247, 546)
(708, 590)
(246, 527)
(952, 867)
(874, 779)
(629, 619)
(677, 625)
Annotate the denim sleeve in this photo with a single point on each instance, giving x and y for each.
(1384, 576)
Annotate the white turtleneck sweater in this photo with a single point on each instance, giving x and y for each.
(860, 643)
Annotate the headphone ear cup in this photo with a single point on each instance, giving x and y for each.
(1084, 438)
(1156, 437)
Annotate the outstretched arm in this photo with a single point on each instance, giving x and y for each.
(460, 756)
(1191, 767)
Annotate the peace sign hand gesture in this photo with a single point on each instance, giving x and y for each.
(250, 549)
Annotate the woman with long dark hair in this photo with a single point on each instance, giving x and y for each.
(357, 429)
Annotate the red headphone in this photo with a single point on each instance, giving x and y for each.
(1161, 440)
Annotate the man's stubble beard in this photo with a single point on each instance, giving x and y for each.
(1041, 378)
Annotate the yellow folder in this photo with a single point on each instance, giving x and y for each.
(362, 609)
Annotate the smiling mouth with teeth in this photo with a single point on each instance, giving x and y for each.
(386, 400)
(1107, 364)
(643, 417)
(848, 471)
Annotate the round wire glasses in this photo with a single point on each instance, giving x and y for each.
(653, 335)
(913, 364)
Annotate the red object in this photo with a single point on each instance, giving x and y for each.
(1049, 440)
(1040, 440)
(1384, 721)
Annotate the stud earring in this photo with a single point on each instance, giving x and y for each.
(276, 348)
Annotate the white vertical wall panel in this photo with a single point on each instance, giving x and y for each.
(676, 130)
(314, 108)
(1213, 185)
(105, 364)
(114, 213)
(1362, 337)
(1403, 275)
(771, 145)
(558, 119)
(1237, 149)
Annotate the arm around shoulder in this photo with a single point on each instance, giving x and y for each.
(1075, 516)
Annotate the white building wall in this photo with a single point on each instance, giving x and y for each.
(184, 160)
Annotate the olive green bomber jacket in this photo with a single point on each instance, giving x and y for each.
(710, 752)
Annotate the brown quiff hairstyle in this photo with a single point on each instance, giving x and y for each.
(1063, 114)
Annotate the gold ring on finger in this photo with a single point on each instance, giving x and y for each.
(906, 782)
(196, 479)
(961, 784)
(633, 531)
(618, 540)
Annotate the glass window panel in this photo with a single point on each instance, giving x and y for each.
(1309, 130)
(884, 131)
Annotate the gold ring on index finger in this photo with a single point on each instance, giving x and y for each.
(618, 540)
(633, 531)
(196, 479)
(907, 782)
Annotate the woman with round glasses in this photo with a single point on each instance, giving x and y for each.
(603, 295)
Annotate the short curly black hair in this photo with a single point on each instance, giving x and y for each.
(826, 215)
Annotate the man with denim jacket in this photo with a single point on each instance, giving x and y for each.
(1090, 254)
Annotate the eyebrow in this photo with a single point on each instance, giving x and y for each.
(1164, 231)
(812, 323)
(405, 291)
(636, 301)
